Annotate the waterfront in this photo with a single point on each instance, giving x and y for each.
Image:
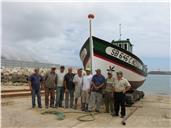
(153, 111)
(157, 85)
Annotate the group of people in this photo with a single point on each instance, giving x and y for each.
(92, 90)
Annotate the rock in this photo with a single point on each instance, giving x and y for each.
(20, 75)
(17, 76)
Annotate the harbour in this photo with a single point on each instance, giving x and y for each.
(65, 65)
(152, 111)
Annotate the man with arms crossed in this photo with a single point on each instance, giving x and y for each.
(98, 82)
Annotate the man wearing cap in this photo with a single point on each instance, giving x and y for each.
(35, 81)
(60, 87)
(51, 80)
(121, 87)
(86, 90)
(108, 92)
(98, 82)
(69, 88)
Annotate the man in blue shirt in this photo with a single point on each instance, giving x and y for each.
(35, 81)
(98, 82)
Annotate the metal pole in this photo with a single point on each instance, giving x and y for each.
(124, 119)
(90, 28)
(91, 16)
(91, 46)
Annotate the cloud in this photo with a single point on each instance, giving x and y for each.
(55, 32)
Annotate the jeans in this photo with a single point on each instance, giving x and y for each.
(69, 94)
(95, 99)
(120, 99)
(59, 96)
(36, 92)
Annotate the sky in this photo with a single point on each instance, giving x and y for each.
(55, 32)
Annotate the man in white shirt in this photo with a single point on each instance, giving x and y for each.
(86, 90)
(60, 87)
(121, 87)
(78, 85)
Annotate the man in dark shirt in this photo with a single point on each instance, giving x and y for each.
(69, 88)
(35, 81)
(98, 82)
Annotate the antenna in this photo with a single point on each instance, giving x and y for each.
(120, 32)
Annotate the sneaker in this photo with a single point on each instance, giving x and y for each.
(113, 114)
(52, 106)
(97, 111)
(40, 107)
(106, 111)
(122, 116)
(75, 107)
(86, 110)
(89, 110)
(56, 106)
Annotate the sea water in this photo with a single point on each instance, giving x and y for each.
(157, 85)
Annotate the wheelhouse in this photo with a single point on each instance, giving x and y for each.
(124, 44)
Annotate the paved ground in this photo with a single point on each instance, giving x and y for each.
(153, 111)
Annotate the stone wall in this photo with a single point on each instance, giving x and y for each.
(19, 76)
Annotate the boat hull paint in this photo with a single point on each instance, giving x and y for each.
(105, 62)
(135, 79)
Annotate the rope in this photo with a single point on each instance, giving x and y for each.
(61, 115)
(81, 118)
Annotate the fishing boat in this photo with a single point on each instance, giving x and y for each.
(115, 56)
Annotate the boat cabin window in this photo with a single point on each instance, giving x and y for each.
(125, 47)
(125, 44)
(120, 45)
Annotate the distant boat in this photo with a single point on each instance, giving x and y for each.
(114, 56)
(160, 72)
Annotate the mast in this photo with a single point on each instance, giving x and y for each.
(90, 17)
(120, 32)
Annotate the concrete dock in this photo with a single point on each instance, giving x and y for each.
(152, 112)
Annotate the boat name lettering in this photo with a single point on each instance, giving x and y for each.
(123, 56)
